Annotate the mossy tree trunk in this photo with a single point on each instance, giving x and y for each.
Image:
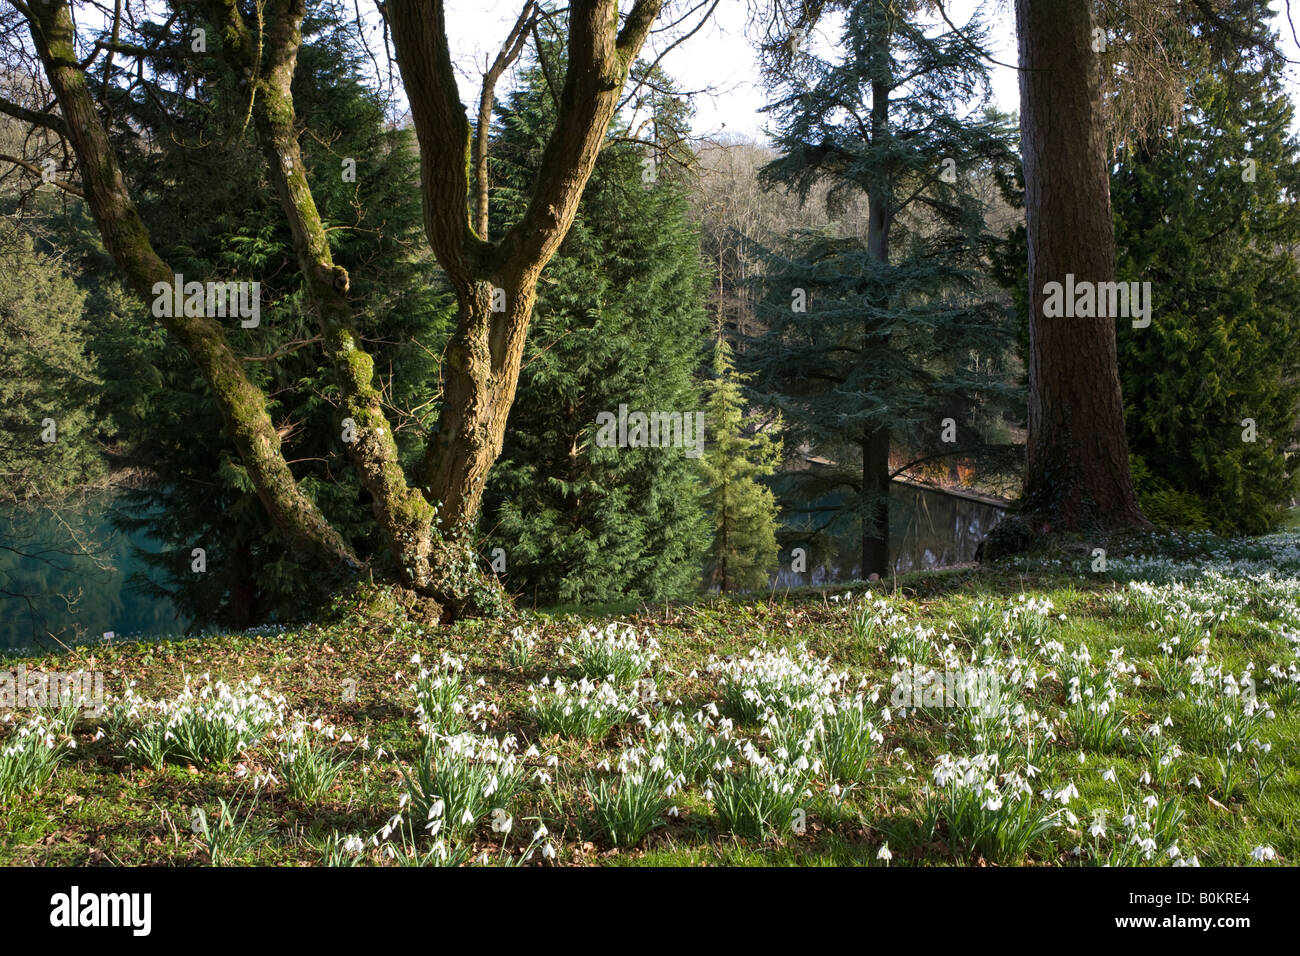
(495, 282)
(402, 512)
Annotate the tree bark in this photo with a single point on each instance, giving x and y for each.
(402, 513)
(875, 445)
(481, 368)
(875, 491)
(242, 404)
(1077, 470)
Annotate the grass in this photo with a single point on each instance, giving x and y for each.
(1148, 714)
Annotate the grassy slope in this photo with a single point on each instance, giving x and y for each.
(99, 807)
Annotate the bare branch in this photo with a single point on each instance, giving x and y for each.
(37, 171)
(509, 52)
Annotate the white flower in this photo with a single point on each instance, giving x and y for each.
(353, 845)
(501, 821)
(1263, 854)
(883, 853)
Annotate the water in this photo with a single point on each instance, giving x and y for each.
(53, 594)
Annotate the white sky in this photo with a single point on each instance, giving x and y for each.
(721, 57)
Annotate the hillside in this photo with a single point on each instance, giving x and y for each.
(1147, 714)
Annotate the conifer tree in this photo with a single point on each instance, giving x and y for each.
(1208, 214)
(885, 342)
(743, 510)
(619, 321)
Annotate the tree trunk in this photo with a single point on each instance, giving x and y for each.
(1077, 471)
(875, 446)
(402, 513)
(495, 282)
(875, 492)
(480, 373)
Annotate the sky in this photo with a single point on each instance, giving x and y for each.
(721, 57)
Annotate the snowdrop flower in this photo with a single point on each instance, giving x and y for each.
(353, 845)
(884, 854)
(1108, 775)
(1263, 854)
(501, 821)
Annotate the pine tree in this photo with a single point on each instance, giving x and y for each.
(1208, 215)
(740, 453)
(888, 344)
(619, 321)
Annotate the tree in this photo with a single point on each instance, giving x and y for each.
(1207, 211)
(1077, 467)
(49, 430)
(875, 341)
(198, 494)
(743, 510)
(424, 519)
(618, 322)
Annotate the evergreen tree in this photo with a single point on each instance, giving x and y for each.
(740, 453)
(1208, 215)
(619, 321)
(889, 344)
(49, 427)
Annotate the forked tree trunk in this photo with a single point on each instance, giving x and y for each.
(1077, 475)
(495, 282)
(402, 513)
(480, 375)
